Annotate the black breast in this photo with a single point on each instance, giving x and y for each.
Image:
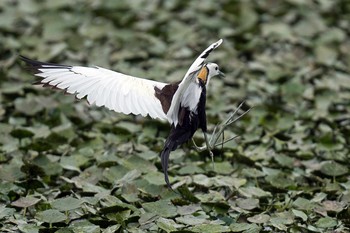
(189, 122)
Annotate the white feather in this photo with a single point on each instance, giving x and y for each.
(117, 91)
(191, 96)
(124, 93)
(190, 77)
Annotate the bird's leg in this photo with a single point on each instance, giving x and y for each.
(218, 131)
(209, 148)
(195, 146)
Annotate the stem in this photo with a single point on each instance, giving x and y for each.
(219, 131)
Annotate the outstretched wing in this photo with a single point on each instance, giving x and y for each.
(172, 114)
(103, 87)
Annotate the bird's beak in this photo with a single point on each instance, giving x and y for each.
(221, 74)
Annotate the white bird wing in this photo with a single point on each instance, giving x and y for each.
(116, 91)
(172, 114)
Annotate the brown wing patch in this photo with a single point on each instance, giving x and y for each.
(165, 95)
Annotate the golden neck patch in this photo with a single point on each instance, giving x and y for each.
(203, 74)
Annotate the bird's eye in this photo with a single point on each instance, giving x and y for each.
(216, 68)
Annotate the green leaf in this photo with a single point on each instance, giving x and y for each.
(66, 203)
(326, 55)
(30, 228)
(247, 204)
(6, 212)
(51, 216)
(300, 214)
(284, 160)
(114, 173)
(277, 29)
(334, 206)
(188, 209)
(187, 194)
(146, 218)
(167, 225)
(202, 180)
(48, 166)
(326, 222)
(282, 218)
(156, 178)
(319, 197)
(129, 177)
(191, 220)
(289, 59)
(209, 228)
(73, 162)
(11, 172)
(134, 162)
(22, 133)
(239, 227)
(253, 192)
(303, 204)
(252, 172)
(25, 202)
(85, 226)
(259, 218)
(332, 168)
(221, 167)
(190, 169)
(228, 181)
(28, 106)
(280, 181)
(162, 208)
(112, 229)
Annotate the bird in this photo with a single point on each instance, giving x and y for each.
(180, 103)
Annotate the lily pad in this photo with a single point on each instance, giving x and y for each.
(303, 204)
(210, 228)
(167, 225)
(300, 214)
(28, 106)
(252, 172)
(22, 133)
(332, 168)
(191, 220)
(188, 209)
(259, 218)
(254, 192)
(334, 206)
(51, 216)
(162, 208)
(66, 203)
(243, 227)
(326, 222)
(287, 171)
(6, 212)
(280, 181)
(247, 204)
(25, 202)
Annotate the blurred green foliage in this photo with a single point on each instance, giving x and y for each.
(69, 167)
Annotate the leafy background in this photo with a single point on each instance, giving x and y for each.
(69, 167)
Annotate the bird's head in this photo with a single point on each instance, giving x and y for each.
(208, 71)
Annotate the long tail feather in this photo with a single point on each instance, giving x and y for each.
(164, 156)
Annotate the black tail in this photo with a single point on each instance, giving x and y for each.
(178, 136)
(164, 157)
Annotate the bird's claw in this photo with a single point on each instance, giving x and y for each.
(212, 159)
(219, 130)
